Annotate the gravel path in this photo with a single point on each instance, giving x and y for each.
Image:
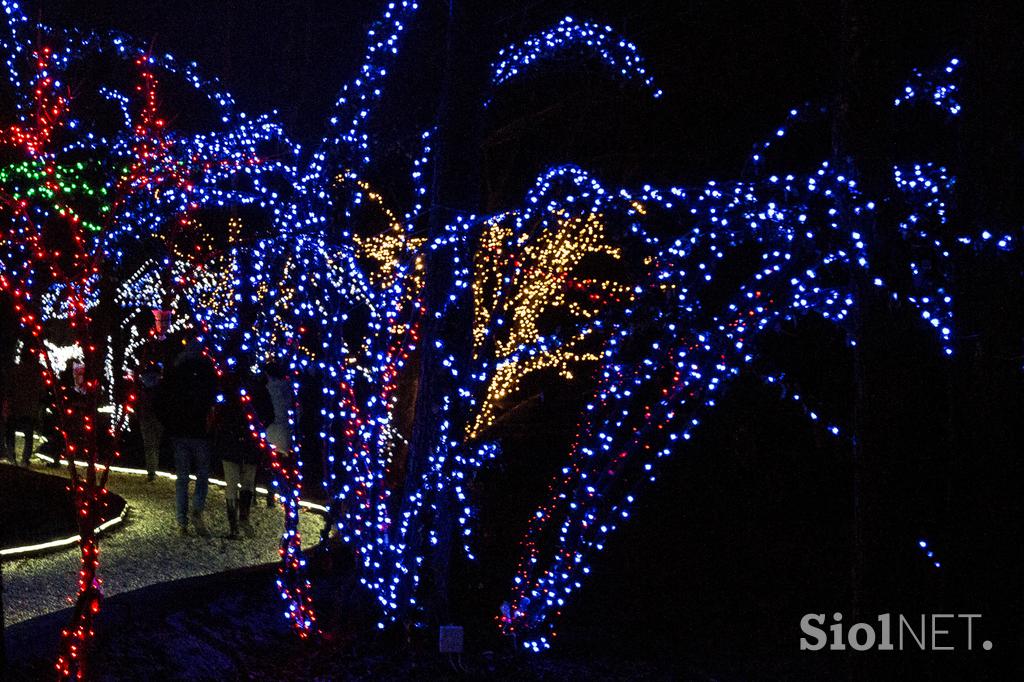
(146, 549)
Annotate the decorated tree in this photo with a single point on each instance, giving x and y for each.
(675, 333)
(343, 290)
(53, 213)
(417, 319)
(84, 201)
(750, 257)
(359, 293)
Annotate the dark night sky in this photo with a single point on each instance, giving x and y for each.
(730, 69)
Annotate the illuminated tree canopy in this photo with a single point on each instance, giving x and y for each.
(268, 253)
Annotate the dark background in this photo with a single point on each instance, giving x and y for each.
(730, 69)
(750, 526)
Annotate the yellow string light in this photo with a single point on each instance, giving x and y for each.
(521, 277)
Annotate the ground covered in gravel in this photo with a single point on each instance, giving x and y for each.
(36, 508)
(146, 549)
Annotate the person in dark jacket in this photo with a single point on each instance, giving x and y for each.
(236, 445)
(150, 426)
(184, 406)
(5, 370)
(25, 389)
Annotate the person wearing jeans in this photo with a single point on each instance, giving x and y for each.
(184, 405)
(191, 455)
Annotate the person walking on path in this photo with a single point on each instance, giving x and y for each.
(237, 447)
(279, 389)
(150, 426)
(25, 389)
(5, 370)
(279, 433)
(184, 407)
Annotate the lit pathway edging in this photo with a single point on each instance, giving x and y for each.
(26, 550)
(147, 549)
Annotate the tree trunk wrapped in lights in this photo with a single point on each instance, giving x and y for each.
(79, 206)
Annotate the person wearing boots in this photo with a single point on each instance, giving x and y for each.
(237, 447)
